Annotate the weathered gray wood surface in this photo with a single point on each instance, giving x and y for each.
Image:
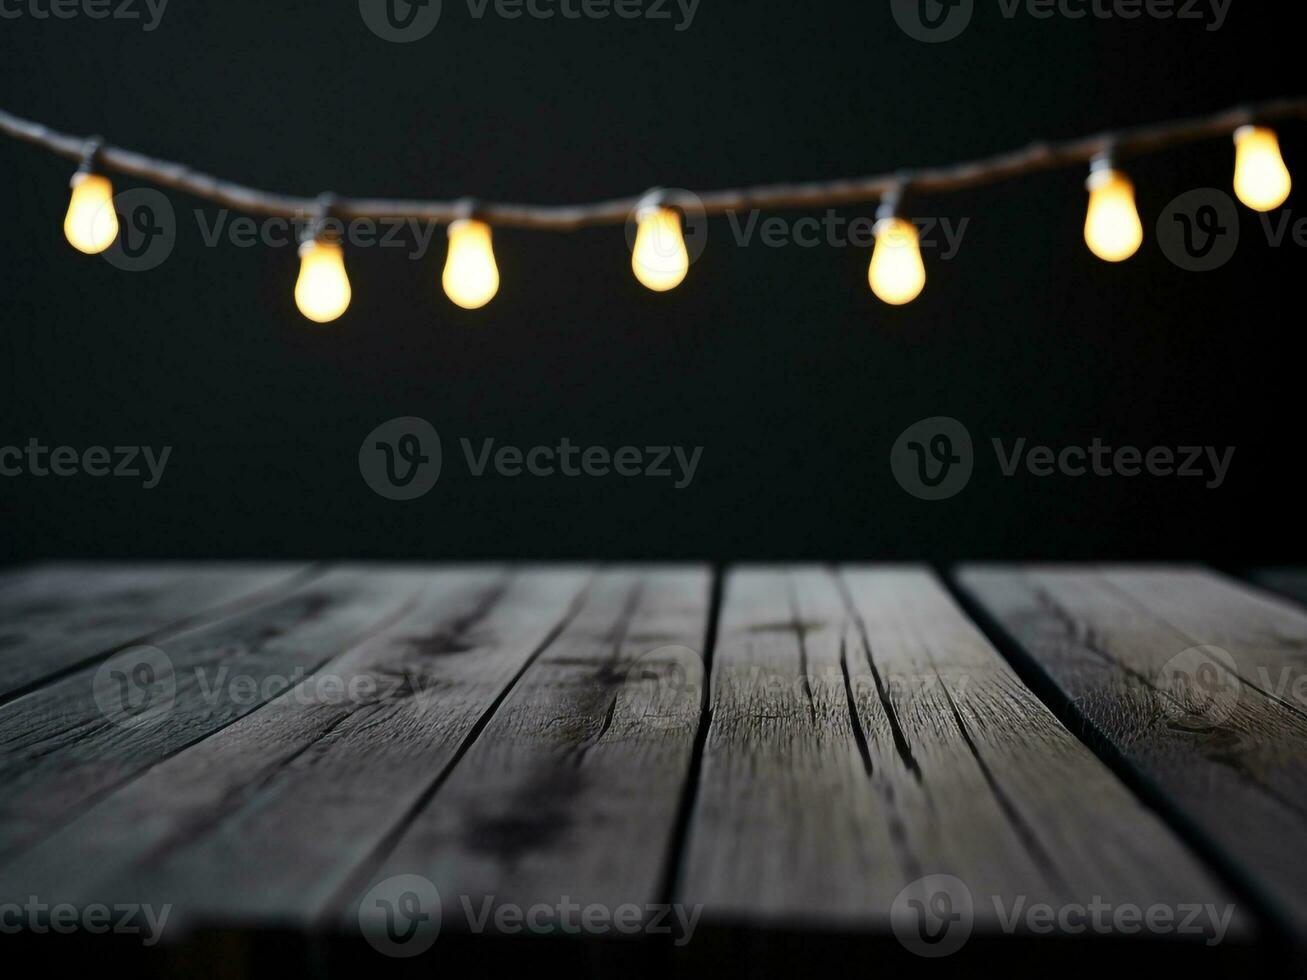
(267, 819)
(572, 790)
(58, 616)
(62, 746)
(546, 735)
(1196, 681)
(865, 734)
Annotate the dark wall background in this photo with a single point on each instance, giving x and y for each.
(778, 361)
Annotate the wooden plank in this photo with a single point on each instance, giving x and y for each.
(265, 820)
(571, 792)
(787, 827)
(1266, 630)
(59, 616)
(865, 734)
(68, 743)
(1170, 666)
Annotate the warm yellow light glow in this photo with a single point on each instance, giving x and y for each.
(322, 290)
(897, 274)
(1261, 180)
(659, 258)
(91, 224)
(471, 277)
(1113, 231)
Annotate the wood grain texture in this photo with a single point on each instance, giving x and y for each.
(787, 826)
(535, 737)
(572, 789)
(58, 616)
(263, 821)
(61, 748)
(1207, 729)
(1268, 633)
(868, 690)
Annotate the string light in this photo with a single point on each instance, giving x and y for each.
(91, 223)
(322, 291)
(896, 274)
(659, 257)
(1261, 180)
(1113, 230)
(471, 277)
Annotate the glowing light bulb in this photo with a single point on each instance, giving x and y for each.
(471, 277)
(1113, 231)
(91, 224)
(659, 258)
(1261, 180)
(897, 274)
(322, 291)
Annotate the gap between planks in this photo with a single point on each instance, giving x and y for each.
(1104, 644)
(881, 750)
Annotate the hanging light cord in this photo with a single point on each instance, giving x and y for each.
(1036, 157)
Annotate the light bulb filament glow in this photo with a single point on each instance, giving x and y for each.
(471, 276)
(1261, 180)
(1113, 230)
(659, 257)
(896, 274)
(91, 224)
(322, 291)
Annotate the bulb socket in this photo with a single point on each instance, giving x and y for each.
(90, 162)
(1246, 130)
(1102, 169)
(891, 204)
(324, 225)
(652, 200)
(890, 207)
(468, 209)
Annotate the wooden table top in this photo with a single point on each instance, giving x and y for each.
(637, 769)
